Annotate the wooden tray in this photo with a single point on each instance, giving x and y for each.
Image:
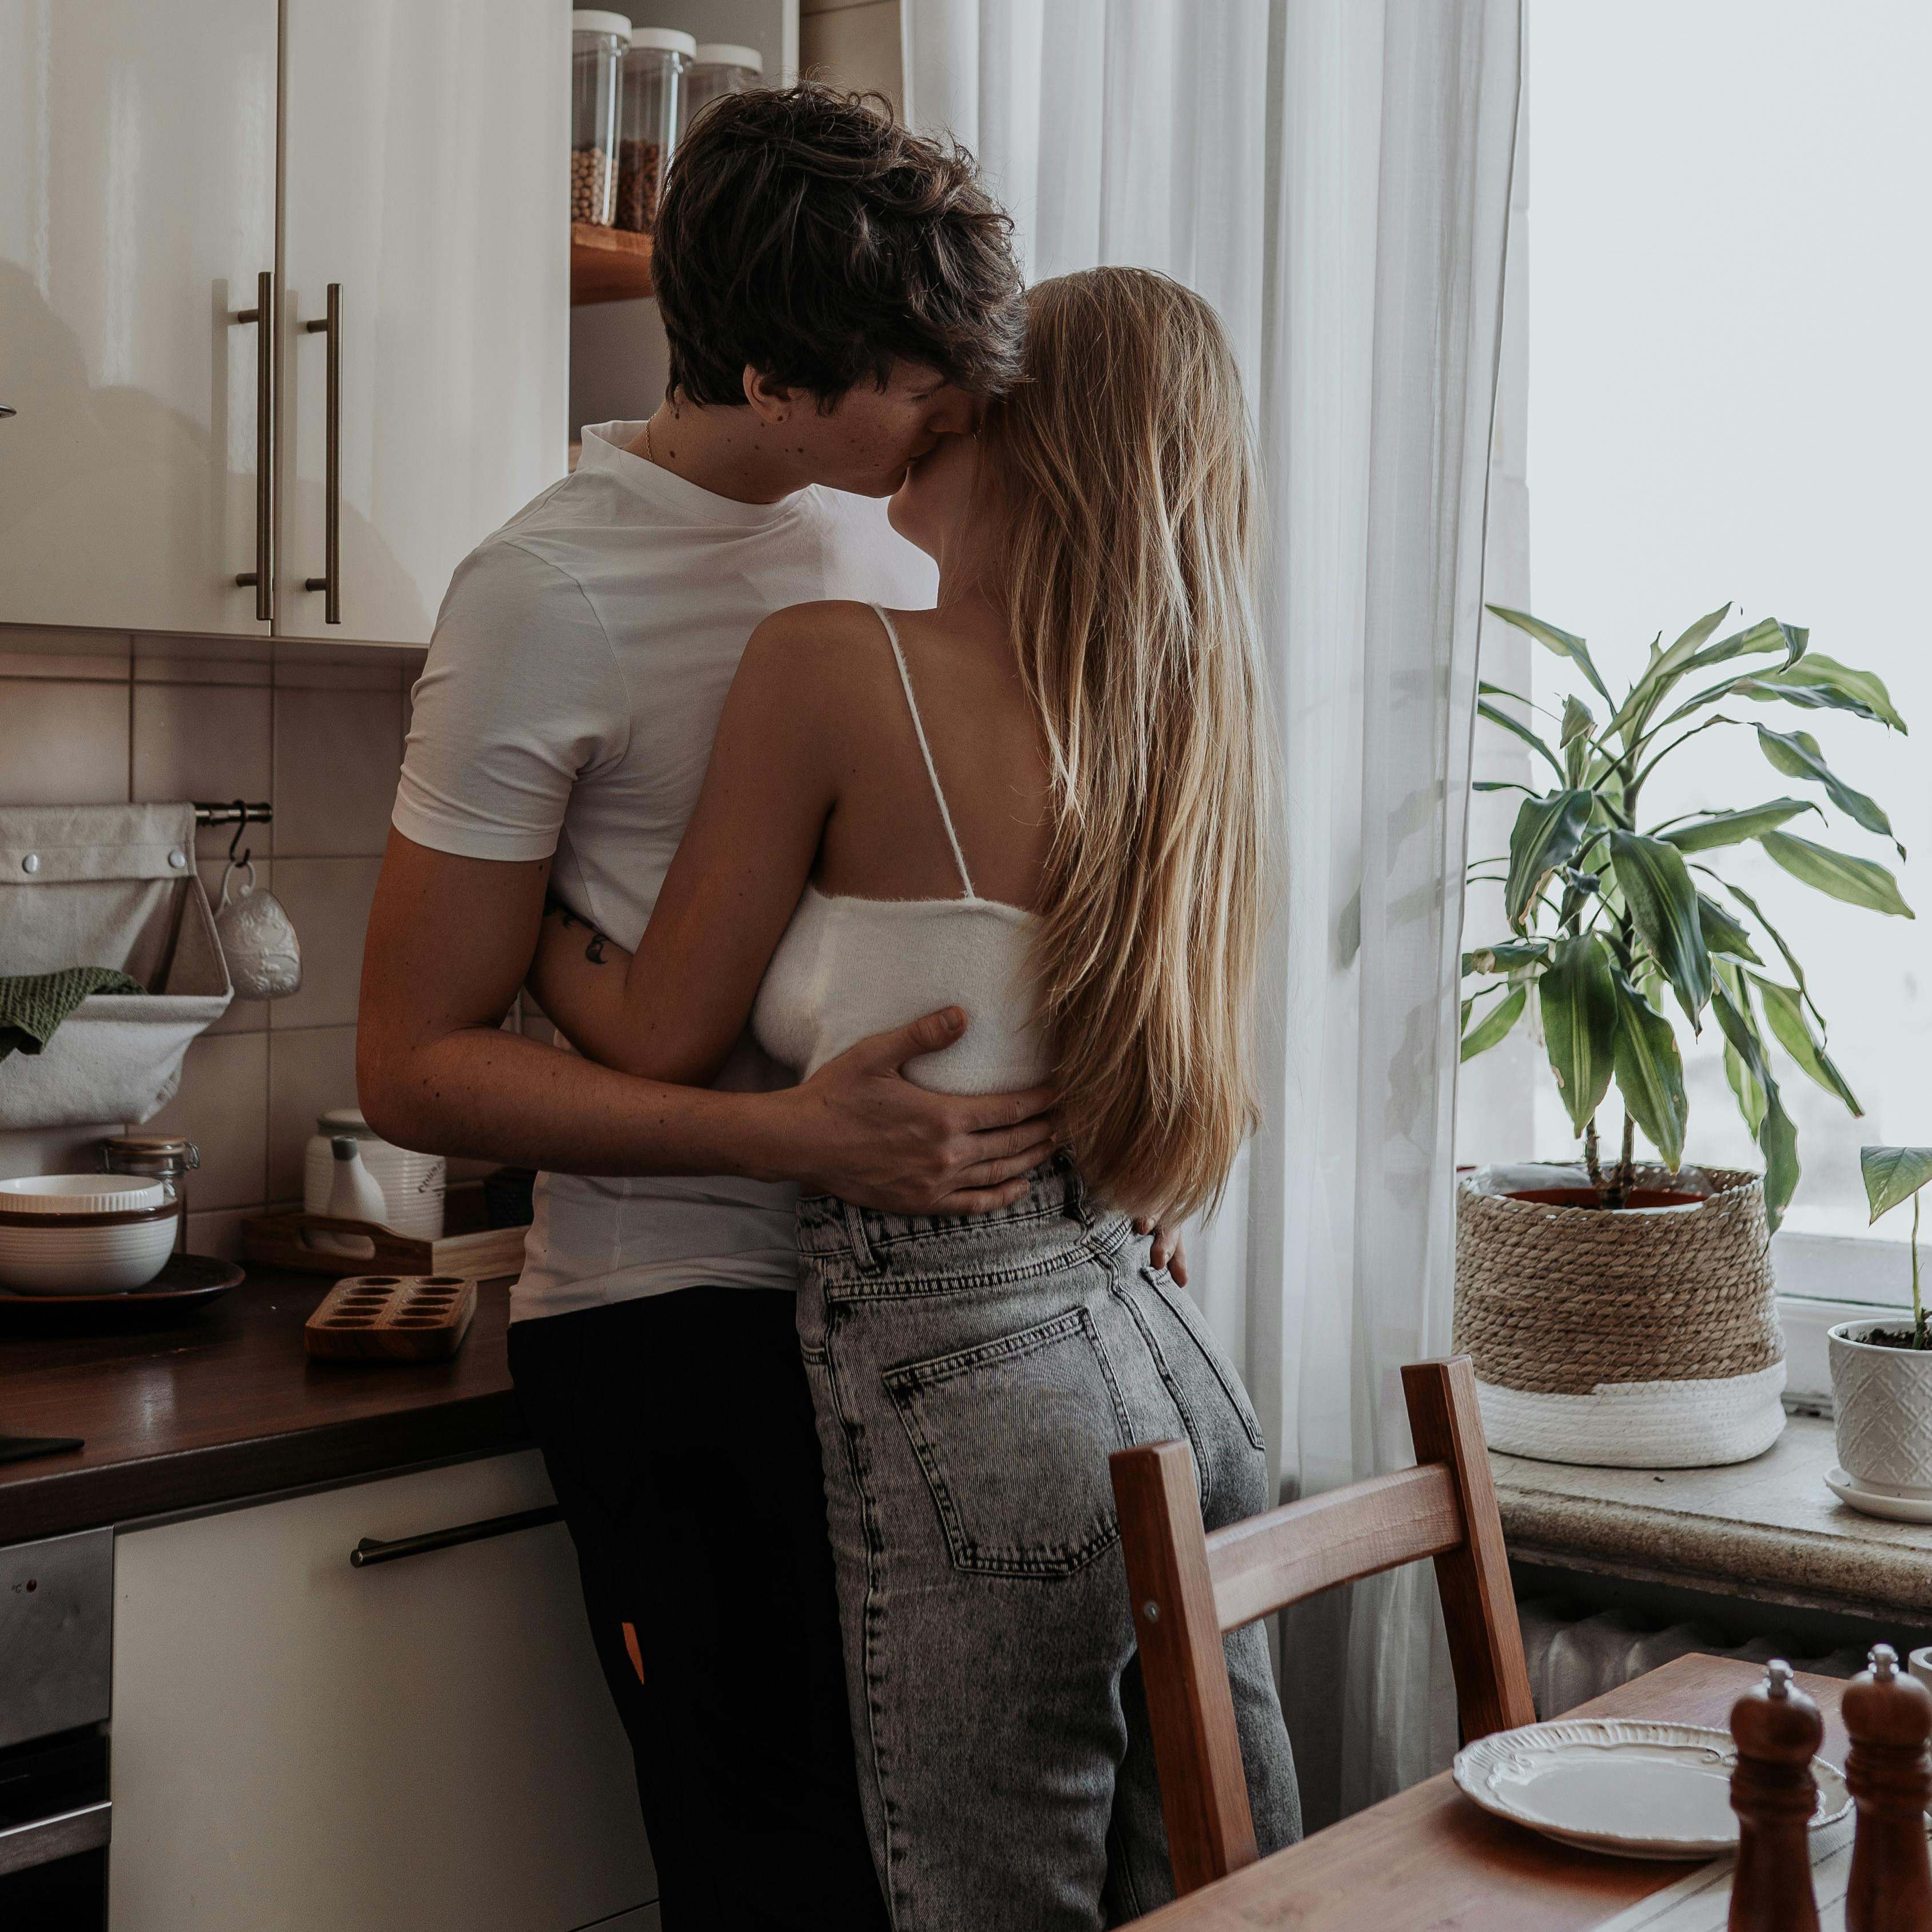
(287, 1241)
(417, 1318)
(607, 264)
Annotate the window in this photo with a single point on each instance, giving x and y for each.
(1729, 395)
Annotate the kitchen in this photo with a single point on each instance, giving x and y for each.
(293, 316)
(384, 184)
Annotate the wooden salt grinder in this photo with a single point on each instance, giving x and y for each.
(1889, 1717)
(1778, 1730)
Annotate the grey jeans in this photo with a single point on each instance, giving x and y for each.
(971, 1378)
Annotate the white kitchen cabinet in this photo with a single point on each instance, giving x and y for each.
(424, 1745)
(425, 151)
(419, 150)
(137, 208)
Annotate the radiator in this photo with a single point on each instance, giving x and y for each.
(1573, 1658)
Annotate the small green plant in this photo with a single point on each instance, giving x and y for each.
(1890, 1173)
(1607, 913)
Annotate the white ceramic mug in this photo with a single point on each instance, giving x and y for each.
(1920, 1664)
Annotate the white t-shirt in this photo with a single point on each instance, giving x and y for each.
(573, 688)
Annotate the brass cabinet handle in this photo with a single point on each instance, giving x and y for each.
(330, 582)
(263, 315)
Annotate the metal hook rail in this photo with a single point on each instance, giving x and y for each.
(241, 812)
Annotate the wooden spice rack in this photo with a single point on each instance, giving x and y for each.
(607, 264)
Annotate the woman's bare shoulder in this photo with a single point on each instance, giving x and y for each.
(807, 652)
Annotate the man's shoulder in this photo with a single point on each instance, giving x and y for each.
(868, 559)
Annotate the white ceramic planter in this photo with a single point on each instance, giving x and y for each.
(1882, 1399)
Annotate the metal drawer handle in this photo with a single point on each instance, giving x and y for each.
(330, 582)
(262, 576)
(41, 1840)
(371, 1549)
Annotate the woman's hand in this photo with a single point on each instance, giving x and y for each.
(1166, 1251)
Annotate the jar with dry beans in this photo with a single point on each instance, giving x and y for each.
(654, 71)
(598, 42)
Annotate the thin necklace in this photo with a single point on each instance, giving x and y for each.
(648, 457)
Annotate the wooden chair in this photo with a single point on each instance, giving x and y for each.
(1190, 1587)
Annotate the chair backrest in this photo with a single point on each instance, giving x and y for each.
(1190, 1587)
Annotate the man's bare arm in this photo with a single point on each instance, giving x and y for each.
(450, 939)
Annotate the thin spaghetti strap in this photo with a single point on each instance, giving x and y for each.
(925, 750)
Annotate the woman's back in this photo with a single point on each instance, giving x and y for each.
(929, 865)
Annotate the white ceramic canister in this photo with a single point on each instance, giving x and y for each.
(413, 1184)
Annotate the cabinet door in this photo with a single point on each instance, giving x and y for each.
(137, 207)
(426, 1745)
(425, 156)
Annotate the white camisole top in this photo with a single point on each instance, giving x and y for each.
(848, 967)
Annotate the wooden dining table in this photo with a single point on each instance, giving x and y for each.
(1430, 1858)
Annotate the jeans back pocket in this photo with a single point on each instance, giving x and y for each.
(1013, 1436)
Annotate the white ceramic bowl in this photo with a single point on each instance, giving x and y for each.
(84, 1234)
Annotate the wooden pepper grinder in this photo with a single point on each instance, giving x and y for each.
(1778, 1730)
(1889, 1717)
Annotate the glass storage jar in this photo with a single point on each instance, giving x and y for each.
(720, 68)
(598, 41)
(161, 1157)
(654, 72)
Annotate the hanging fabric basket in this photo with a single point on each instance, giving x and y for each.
(1640, 1337)
(107, 885)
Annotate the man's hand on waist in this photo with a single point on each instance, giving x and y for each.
(859, 1129)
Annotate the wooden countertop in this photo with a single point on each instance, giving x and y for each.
(226, 1406)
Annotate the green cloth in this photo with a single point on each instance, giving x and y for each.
(32, 1005)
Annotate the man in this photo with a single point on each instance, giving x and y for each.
(837, 293)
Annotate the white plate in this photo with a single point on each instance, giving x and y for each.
(1874, 1501)
(1619, 1785)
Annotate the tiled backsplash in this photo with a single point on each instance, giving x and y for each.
(89, 719)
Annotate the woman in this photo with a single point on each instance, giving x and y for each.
(1044, 802)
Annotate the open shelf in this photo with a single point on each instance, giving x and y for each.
(607, 264)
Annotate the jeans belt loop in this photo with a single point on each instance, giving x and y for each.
(1077, 1208)
(855, 1232)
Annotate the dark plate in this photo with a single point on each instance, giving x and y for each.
(186, 1285)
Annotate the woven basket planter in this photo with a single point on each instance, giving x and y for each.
(1646, 1337)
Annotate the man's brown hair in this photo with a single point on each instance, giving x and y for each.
(806, 234)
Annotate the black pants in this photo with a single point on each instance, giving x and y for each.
(678, 1432)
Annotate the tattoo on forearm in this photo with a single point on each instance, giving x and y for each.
(594, 950)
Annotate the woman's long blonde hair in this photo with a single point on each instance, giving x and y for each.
(1125, 479)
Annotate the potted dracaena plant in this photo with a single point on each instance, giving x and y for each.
(1881, 1374)
(1621, 1312)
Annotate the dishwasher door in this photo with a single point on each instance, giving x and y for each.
(56, 1653)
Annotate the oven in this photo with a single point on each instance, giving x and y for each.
(56, 1659)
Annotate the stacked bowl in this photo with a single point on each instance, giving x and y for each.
(84, 1234)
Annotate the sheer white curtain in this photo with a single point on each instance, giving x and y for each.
(1335, 175)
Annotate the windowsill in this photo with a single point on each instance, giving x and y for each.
(1768, 1530)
